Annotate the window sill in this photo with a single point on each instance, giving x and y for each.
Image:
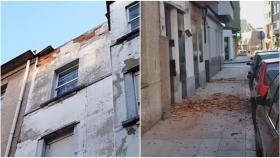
(128, 36)
(130, 121)
(63, 96)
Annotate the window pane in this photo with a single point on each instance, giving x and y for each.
(69, 86)
(134, 24)
(67, 80)
(133, 11)
(68, 77)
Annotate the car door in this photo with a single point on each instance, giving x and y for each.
(268, 122)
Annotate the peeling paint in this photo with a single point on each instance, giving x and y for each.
(122, 149)
(130, 63)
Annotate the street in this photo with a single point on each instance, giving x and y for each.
(216, 121)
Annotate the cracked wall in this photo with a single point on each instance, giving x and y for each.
(91, 106)
(124, 56)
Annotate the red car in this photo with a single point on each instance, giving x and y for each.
(269, 69)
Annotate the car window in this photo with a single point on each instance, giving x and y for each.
(272, 70)
(274, 85)
(274, 110)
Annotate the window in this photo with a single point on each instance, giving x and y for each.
(3, 91)
(61, 142)
(273, 114)
(131, 80)
(133, 16)
(67, 78)
(61, 146)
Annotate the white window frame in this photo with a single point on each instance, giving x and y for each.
(130, 20)
(60, 72)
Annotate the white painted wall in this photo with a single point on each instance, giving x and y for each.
(126, 143)
(224, 8)
(92, 107)
(119, 19)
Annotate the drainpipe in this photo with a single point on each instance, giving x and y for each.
(17, 109)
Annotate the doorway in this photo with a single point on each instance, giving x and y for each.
(195, 52)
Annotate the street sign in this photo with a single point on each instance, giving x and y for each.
(261, 35)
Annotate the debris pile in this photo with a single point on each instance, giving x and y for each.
(225, 80)
(210, 104)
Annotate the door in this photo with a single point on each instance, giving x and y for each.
(182, 56)
(171, 44)
(195, 52)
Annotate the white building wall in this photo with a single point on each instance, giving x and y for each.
(91, 107)
(124, 56)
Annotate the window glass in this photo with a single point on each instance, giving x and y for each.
(274, 110)
(3, 91)
(67, 80)
(133, 16)
(2, 94)
(272, 71)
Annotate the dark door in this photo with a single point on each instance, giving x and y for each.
(195, 52)
(226, 48)
(182, 57)
(171, 44)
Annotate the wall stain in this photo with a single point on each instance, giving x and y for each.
(106, 128)
(121, 151)
(29, 134)
(117, 86)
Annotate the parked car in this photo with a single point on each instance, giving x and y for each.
(255, 64)
(267, 122)
(243, 52)
(267, 71)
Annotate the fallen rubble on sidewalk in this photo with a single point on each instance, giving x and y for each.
(214, 102)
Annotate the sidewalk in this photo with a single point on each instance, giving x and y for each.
(216, 121)
(238, 59)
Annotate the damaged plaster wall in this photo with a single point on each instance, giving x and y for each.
(92, 110)
(124, 56)
(94, 62)
(92, 106)
(126, 141)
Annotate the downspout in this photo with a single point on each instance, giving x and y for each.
(17, 109)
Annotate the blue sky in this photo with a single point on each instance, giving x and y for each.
(35, 25)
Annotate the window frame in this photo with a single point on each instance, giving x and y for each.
(135, 18)
(132, 113)
(56, 135)
(74, 65)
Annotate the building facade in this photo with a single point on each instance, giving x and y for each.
(181, 48)
(276, 23)
(124, 20)
(80, 99)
